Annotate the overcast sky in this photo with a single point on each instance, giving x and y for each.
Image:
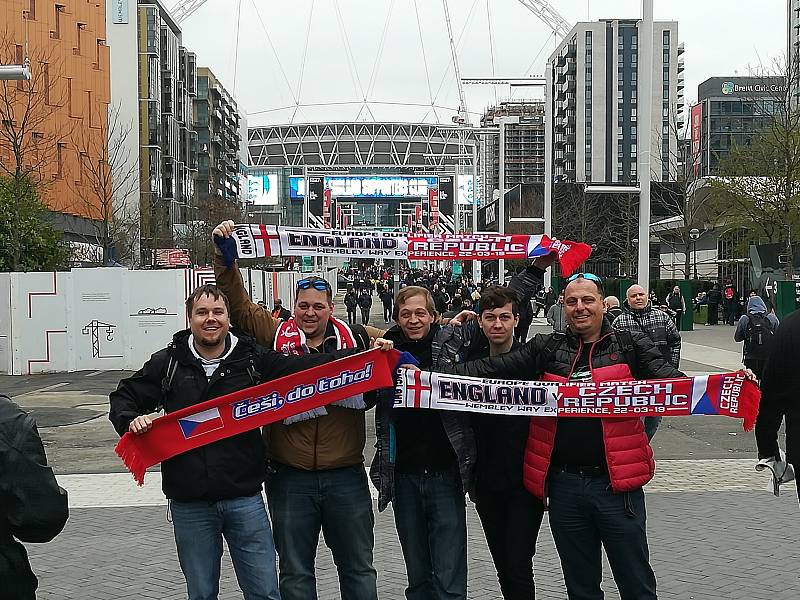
(353, 50)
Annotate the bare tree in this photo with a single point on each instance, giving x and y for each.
(30, 140)
(107, 190)
(29, 135)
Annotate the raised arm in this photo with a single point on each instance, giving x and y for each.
(246, 315)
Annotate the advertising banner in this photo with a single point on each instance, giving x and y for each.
(433, 202)
(326, 208)
(446, 194)
(697, 133)
(316, 186)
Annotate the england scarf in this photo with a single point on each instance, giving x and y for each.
(290, 339)
(254, 407)
(257, 241)
(728, 394)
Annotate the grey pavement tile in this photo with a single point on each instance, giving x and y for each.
(704, 546)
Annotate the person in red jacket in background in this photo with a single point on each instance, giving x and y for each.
(589, 471)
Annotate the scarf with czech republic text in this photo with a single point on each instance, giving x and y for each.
(254, 407)
(728, 394)
(290, 339)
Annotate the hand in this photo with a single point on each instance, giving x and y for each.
(223, 230)
(750, 375)
(543, 262)
(141, 425)
(463, 317)
(382, 344)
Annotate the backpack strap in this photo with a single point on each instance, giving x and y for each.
(169, 374)
(553, 344)
(625, 341)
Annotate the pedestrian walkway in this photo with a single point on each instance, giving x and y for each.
(715, 534)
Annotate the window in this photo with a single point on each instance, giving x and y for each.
(32, 10)
(60, 160)
(633, 112)
(57, 32)
(46, 83)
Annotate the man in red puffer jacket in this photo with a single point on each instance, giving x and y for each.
(589, 471)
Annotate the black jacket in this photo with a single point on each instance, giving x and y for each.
(556, 353)
(231, 467)
(780, 382)
(33, 508)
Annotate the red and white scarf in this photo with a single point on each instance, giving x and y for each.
(248, 409)
(290, 339)
(728, 394)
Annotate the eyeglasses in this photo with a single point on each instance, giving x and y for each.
(317, 284)
(589, 276)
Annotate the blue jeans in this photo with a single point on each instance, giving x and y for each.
(430, 516)
(585, 515)
(199, 529)
(338, 502)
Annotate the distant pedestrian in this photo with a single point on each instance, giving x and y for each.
(556, 316)
(729, 301)
(387, 299)
(351, 303)
(639, 315)
(756, 328)
(677, 305)
(279, 312)
(613, 309)
(713, 299)
(364, 303)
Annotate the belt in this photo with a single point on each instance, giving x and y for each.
(587, 471)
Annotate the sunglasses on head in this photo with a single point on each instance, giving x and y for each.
(317, 284)
(589, 276)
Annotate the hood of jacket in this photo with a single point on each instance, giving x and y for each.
(756, 305)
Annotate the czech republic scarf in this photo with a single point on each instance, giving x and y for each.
(257, 241)
(290, 339)
(728, 394)
(254, 407)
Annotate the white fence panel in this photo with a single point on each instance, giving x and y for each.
(5, 323)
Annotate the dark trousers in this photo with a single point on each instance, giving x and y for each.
(364, 316)
(511, 520)
(713, 314)
(387, 312)
(586, 516)
(678, 317)
(431, 521)
(351, 315)
(337, 502)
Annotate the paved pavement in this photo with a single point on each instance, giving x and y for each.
(715, 531)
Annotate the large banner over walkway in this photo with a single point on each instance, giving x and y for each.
(256, 241)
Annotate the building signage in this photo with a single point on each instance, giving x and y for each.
(119, 12)
(731, 88)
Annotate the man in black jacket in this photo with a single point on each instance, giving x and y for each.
(511, 516)
(214, 490)
(424, 464)
(34, 507)
(780, 382)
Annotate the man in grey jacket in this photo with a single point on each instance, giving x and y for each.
(556, 316)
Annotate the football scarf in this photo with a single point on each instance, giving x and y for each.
(728, 394)
(257, 241)
(254, 407)
(290, 339)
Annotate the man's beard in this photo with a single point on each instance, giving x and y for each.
(208, 343)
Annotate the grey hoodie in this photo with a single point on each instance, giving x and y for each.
(754, 305)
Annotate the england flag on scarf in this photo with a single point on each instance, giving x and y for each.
(256, 240)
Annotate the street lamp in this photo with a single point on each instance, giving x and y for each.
(694, 234)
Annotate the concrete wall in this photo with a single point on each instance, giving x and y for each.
(93, 319)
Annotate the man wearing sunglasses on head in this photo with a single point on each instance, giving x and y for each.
(588, 471)
(318, 480)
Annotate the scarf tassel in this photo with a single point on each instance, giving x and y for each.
(131, 457)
